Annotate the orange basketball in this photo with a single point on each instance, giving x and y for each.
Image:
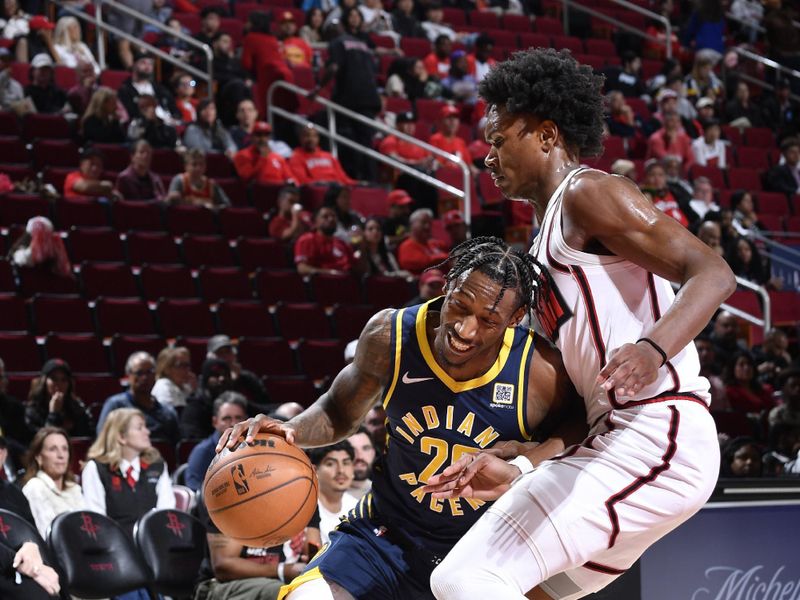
(261, 494)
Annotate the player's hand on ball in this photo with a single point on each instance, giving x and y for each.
(630, 368)
(481, 476)
(248, 429)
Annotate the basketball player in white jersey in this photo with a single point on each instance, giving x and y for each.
(570, 526)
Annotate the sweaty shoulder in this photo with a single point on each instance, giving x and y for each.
(374, 349)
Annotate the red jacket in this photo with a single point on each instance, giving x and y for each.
(272, 168)
(311, 167)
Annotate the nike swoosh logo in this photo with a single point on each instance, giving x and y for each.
(407, 379)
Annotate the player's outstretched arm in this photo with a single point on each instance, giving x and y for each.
(340, 410)
(612, 211)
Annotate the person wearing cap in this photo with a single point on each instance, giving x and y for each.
(243, 381)
(437, 62)
(193, 186)
(42, 90)
(291, 220)
(42, 248)
(215, 379)
(295, 49)
(709, 150)
(396, 226)
(142, 83)
(459, 84)
(705, 109)
(455, 226)
(447, 137)
(671, 139)
(161, 419)
(311, 164)
(149, 126)
(85, 183)
(259, 163)
(420, 250)
(69, 47)
(406, 152)
(11, 91)
(431, 284)
(138, 181)
(53, 402)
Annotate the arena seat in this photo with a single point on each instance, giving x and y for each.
(273, 355)
(245, 317)
(108, 279)
(83, 213)
(217, 283)
(19, 208)
(263, 253)
(95, 244)
(753, 158)
(36, 125)
(84, 353)
(14, 150)
(20, 352)
(273, 286)
(167, 281)
(321, 358)
(334, 289)
(305, 320)
(94, 389)
(759, 137)
(17, 530)
(61, 313)
(772, 203)
(55, 153)
(785, 307)
(520, 23)
(13, 315)
(152, 247)
(129, 316)
(137, 215)
(349, 320)
(185, 316)
(236, 222)
(183, 219)
(299, 388)
(746, 179)
(122, 346)
(382, 292)
(207, 250)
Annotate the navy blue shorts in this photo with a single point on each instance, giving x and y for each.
(363, 559)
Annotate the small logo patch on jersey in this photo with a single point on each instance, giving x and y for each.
(408, 380)
(503, 393)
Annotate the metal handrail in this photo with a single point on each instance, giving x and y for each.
(766, 322)
(629, 28)
(98, 22)
(767, 62)
(332, 108)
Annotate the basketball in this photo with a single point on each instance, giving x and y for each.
(261, 494)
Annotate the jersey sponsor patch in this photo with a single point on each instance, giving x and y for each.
(503, 394)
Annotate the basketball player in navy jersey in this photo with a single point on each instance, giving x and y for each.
(571, 525)
(455, 375)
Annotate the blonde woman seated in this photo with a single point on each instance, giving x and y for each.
(49, 483)
(193, 186)
(174, 377)
(125, 476)
(69, 47)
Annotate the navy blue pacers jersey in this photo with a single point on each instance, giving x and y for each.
(433, 420)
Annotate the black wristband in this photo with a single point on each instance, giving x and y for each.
(657, 349)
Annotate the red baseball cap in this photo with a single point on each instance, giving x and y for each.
(432, 276)
(400, 198)
(449, 111)
(262, 127)
(451, 217)
(40, 22)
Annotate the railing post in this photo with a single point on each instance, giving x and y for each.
(332, 128)
(100, 34)
(564, 17)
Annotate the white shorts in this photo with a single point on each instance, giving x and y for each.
(578, 521)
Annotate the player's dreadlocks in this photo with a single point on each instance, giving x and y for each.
(512, 269)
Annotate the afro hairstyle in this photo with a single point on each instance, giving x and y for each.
(551, 85)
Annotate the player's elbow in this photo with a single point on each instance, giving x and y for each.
(727, 284)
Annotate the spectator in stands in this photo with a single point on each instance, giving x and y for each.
(261, 55)
(710, 234)
(138, 182)
(749, 13)
(320, 251)
(437, 63)
(100, 123)
(245, 382)
(13, 430)
(785, 177)
(311, 164)
(334, 467)
(311, 32)
(130, 25)
(228, 409)
(396, 226)
(678, 184)
(259, 163)
(380, 259)
(42, 90)
(183, 88)
(80, 94)
(69, 47)
(142, 83)
(409, 78)
(783, 446)
(711, 370)
(209, 26)
(480, 60)
(11, 92)
(621, 120)
(741, 111)
(434, 24)
(161, 420)
(295, 49)
(406, 152)
(53, 402)
(149, 126)
(779, 112)
(420, 251)
(207, 133)
(772, 357)
(783, 39)
(404, 20)
(246, 117)
(456, 226)
(709, 150)
(746, 262)
(171, 43)
(725, 335)
(671, 139)
(703, 201)
(701, 81)
(744, 391)
(160, 12)
(49, 483)
(431, 283)
(447, 137)
(705, 110)
(193, 186)
(788, 412)
(628, 78)
(40, 247)
(349, 223)
(11, 497)
(654, 187)
(459, 84)
(375, 424)
(745, 220)
(85, 183)
(624, 168)
(364, 459)
(124, 476)
(741, 457)
(215, 379)
(706, 27)
(15, 26)
(291, 220)
(377, 20)
(175, 380)
(233, 80)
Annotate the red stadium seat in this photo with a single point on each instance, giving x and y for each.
(265, 196)
(370, 201)
(137, 215)
(335, 289)
(520, 23)
(785, 307)
(548, 26)
(263, 253)
(108, 279)
(415, 47)
(528, 39)
(84, 353)
(7, 280)
(152, 247)
(129, 316)
(13, 315)
(733, 423)
(299, 388)
(568, 42)
(383, 292)
(600, 47)
(14, 150)
(95, 389)
(235, 191)
(81, 213)
(271, 356)
(753, 158)
(349, 320)
(95, 243)
(115, 156)
(55, 153)
(167, 281)
(37, 126)
(746, 179)
(274, 286)
(484, 19)
(712, 173)
(321, 358)
(113, 79)
(732, 134)
(217, 283)
(207, 250)
(303, 320)
(197, 347)
(182, 219)
(759, 137)
(20, 352)
(772, 203)
(61, 313)
(167, 162)
(9, 123)
(245, 317)
(185, 316)
(746, 301)
(17, 209)
(238, 222)
(39, 281)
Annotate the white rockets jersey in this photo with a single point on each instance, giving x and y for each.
(598, 304)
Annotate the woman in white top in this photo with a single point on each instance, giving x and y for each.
(174, 377)
(125, 476)
(50, 484)
(69, 48)
(709, 149)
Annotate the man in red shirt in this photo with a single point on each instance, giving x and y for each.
(655, 188)
(420, 251)
(85, 183)
(437, 63)
(406, 152)
(312, 165)
(320, 251)
(295, 49)
(671, 139)
(259, 163)
(447, 137)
